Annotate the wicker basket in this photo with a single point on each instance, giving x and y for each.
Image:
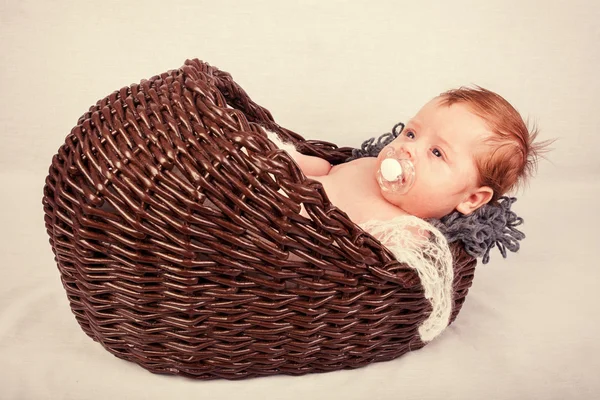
(176, 228)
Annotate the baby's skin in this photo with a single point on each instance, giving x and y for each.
(353, 188)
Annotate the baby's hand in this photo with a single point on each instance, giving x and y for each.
(310, 165)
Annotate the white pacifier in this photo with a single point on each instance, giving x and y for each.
(395, 174)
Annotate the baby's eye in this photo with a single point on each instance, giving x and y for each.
(410, 134)
(437, 153)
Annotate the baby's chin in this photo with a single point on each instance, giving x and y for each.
(396, 200)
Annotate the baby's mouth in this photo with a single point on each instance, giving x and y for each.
(395, 175)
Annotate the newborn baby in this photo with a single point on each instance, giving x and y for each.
(463, 149)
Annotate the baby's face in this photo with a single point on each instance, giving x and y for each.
(442, 143)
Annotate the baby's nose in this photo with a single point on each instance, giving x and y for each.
(407, 152)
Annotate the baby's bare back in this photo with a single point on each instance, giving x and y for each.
(352, 187)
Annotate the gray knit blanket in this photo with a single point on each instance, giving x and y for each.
(489, 226)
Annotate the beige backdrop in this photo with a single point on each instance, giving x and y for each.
(334, 70)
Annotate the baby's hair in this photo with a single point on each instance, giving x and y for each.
(512, 153)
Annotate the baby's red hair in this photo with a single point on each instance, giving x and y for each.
(512, 155)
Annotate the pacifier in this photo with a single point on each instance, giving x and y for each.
(395, 174)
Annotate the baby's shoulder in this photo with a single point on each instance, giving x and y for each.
(363, 161)
(364, 165)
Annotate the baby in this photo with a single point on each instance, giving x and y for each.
(463, 149)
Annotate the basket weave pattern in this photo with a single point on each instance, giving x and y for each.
(176, 227)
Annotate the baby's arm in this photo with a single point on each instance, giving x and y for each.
(310, 165)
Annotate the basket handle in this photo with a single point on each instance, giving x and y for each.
(237, 97)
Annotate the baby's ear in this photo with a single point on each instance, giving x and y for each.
(476, 199)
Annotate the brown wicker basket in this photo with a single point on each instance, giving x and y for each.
(179, 252)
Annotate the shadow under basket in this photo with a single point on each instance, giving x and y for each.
(176, 227)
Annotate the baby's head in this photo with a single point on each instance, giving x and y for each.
(469, 147)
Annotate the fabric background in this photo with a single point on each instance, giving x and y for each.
(341, 71)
